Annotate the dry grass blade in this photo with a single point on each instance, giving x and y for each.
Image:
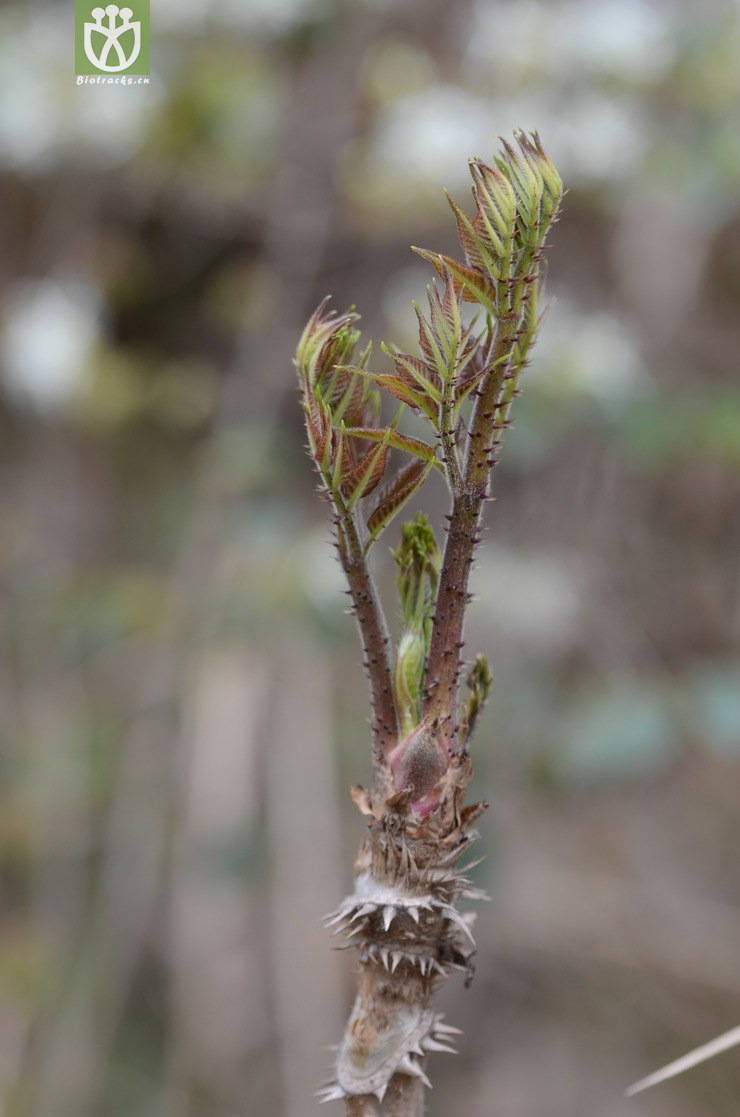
(699, 1055)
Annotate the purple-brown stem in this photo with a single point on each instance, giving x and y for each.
(373, 633)
(405, 1098)
(444, 661)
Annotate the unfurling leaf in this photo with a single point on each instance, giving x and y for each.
(366, 475)
(478, 682)
(348, 398)
(418, 560)
(408, 677)
(329, 339)
(471, 285)
(405, 388)
(400, 441)
(495, 207)
(392, 499)
(419, 373)
(535, 181)
(317, 425)
(482, 247)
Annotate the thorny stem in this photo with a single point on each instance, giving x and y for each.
(373, 630)
(447, 439)
(402, 917)
(443, 666)
(405, 1098)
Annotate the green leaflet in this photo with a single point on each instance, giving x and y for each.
(472, 243)
(429, 345)
(367, 474)
(412, 393)
(338, 462)
(401, 488)
(412, 367)
(474, 286)
(405, 442)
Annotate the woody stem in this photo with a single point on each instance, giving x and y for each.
(373, 630)
(443, 664)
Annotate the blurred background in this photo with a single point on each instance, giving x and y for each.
(182, 706)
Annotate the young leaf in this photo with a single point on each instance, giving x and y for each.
(415, 370)
(495, 206)
(478, 682)
(401, 488)
(477, 252)
(470, 284)
(324, 450)
(349, 404)
(341, 461)
(431, 346)
(405, 442)
(366, 475)
(405, 389)
(418, 562)
(317, 423)
(328, 339)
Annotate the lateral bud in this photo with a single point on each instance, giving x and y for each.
(418, 764)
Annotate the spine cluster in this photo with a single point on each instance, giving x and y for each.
(404, 924)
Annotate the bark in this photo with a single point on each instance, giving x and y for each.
(403, 920)
(373, 633)
(443, 667)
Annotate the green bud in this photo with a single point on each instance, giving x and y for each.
(480, 678)
(550, 176)
(536, 182)
(496, 201)
(478, 682)
(419, 560)
(409, 677)
(329, 339)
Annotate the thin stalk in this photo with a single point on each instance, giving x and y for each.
(443, 665)
(373, 630)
